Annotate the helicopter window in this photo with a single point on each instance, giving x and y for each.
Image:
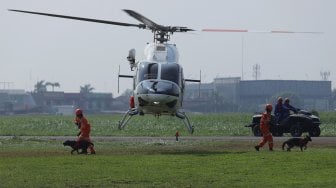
(170, 72)
(148, 71)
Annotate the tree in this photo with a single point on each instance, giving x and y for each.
(40, 87)
(87, 88)
(53, 85)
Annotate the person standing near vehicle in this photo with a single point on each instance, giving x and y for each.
(279, 110)
(85, 129)
(265, 122)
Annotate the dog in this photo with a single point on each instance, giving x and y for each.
(76, 146)
(300, 142)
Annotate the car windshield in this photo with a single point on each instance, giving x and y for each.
(170, 72)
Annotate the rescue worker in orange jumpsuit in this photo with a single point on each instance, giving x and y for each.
(177, 135)
(265, 129)
(85, 129)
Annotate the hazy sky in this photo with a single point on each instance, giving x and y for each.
(75, 53)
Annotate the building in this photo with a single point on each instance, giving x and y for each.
(59, 102)
(308, 94)
(251, 95)
(16, 101)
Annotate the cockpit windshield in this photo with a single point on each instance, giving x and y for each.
(148, 71)
(171, 72)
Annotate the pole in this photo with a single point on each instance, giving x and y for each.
(242, 58)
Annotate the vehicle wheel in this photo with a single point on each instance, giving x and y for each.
(296, 130)
(314, 131)
(256, 130)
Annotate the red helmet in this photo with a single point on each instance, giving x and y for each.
(269, 108)
(78, 112)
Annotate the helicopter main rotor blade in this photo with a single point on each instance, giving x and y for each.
(252, 31)
(142, 26)
(152, 25)
(161, 33)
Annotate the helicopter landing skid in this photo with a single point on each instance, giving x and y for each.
(186, 121)
(127, 116)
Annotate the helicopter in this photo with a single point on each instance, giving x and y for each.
(158, 80)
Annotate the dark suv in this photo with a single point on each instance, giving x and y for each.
(295, 124)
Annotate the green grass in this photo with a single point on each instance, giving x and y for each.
(32, 162)
(106, 125)
(36, 163)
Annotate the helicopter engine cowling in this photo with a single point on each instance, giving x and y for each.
(161, 53)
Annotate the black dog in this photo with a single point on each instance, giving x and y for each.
(81, 145)
(300, 142)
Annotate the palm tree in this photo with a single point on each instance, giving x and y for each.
(87, 88)
(40, 87)
(53, 85)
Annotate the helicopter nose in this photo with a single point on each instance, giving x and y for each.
(158, 87)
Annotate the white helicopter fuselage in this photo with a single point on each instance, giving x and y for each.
(159, 82)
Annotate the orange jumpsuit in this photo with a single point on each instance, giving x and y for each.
(265, 130)
(85, 129)
(177, 134)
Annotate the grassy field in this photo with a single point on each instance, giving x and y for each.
(37, 163)
(33, 162)
(106, 125)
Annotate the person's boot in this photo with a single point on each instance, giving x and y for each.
(257, 148)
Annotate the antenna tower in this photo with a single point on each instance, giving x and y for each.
(256, 71)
